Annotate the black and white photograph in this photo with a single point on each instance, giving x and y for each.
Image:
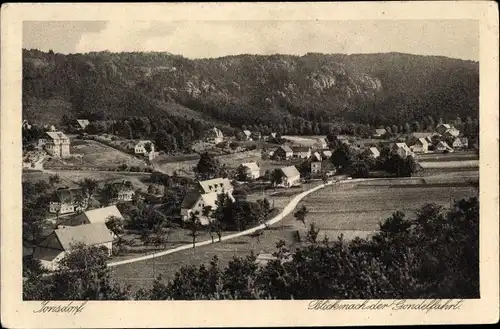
(318, 160)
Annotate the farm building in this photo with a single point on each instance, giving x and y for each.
(301, 152)
(217, 185)
(374, 152)
(58, 144)
(402, 149)
(379, 132)
(456, 143)
(317, 156)
(315, 167)
(326, 154)
(291, 176)
(254, 169)
(66, 200)
(140, 147)
(283, 152)
(442, 146)
(443, 127)
(247, 134)
(321, 143)
(452, 132)
(82, 123)
(60, 242)
(214, 136)
(95, 216)
(421, 146)
(195, 201)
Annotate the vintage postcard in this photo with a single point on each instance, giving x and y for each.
(249, 164)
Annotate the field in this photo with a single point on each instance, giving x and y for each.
(303, 140)
(360, 207)
(450, 164)
(93, 154)
(232, 161)
(353, 209)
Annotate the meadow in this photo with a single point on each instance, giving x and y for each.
(352, 209)
(89, 153)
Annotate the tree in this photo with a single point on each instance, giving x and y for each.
(89, 186)
(148, 147)
(194, 226)
(207, 167)
(54, 179)
(115, 224)
(301, 214)
(243, 173)
(80, 202)
(312, 233)
(277, 176)
(82, 275)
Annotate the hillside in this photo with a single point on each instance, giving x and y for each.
(375, 89)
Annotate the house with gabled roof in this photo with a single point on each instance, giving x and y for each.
(214, 136)
(254, 169)
(379, 132)
(98, 215)
(315, 167)
(284, 152)
(442, 146)
(217, 185)
(456, 143)
(326, 154)
(291, 176)
(62, 241)
(402, 150)
(194, 201)
(421, 146)
(317, 156)
(443, 127)
(374, 152)
(67, 200)
(82, 123)
(58, 144)
(247, 134)
(301, 152)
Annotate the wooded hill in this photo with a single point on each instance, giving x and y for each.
(276, 91)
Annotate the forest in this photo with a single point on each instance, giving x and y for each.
(310, 94)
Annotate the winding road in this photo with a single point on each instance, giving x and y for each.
(287, 210)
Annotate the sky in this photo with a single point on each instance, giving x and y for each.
(208, 39)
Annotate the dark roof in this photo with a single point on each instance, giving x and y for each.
(66, 195)
(285, 148)
(300, 149)
(44, 253)
(190, 199)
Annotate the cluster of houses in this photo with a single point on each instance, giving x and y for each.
(88, 228)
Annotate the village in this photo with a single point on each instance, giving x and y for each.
(126, 202)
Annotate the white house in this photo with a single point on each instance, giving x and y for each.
(195, 201)
(217, 185)
(82, 123)
(60, 242)
(98, 215)
(442, 146)
(457, 143)
(379, 132)
(140, 147)
(452, 132)
(283, 152)
(301, 152)
(326, 154)
(442, 127)
(57, 145)
(374, 152)
(253, 168)
(65, 200)
(421, 146)
(291, 176)
(248, 135)
(214, 136)
(402, 149)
